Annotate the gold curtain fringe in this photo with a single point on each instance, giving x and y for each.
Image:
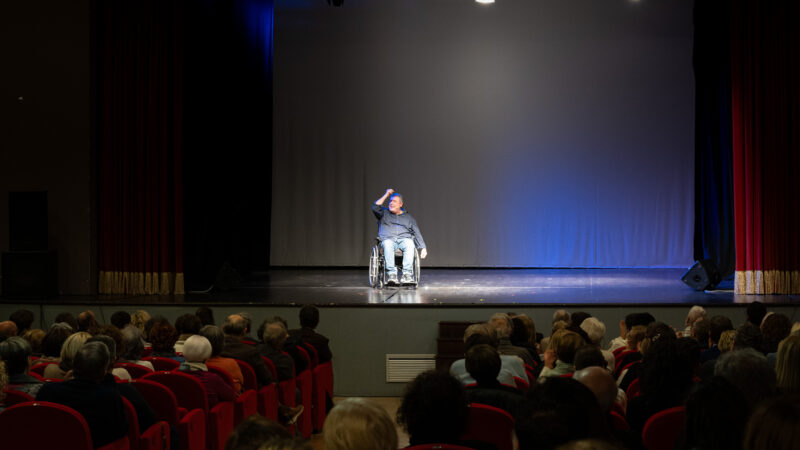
(141, 283)
(767, 282)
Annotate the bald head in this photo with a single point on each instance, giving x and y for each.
(8, 329)
(235, 325)
(601, 383)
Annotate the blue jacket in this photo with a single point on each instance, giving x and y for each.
(397, 226)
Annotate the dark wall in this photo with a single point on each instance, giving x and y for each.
(46, 136)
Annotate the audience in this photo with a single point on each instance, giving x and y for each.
(503, 326)
(120, 319)
(755, 313)
(53, 341)
(100, 405)
(274, 337)
(15, 351)
(67, 318)
(625, 325)
(483, 364)
(139, 319)
(775, 328)
(23, 319)
(35, 338)
(559, 359)
(309, 320)
(3, 384)
(717, 324)
(234, 329)
(255, 431)
(521, 338)
(186, 325)
(750, 372)
(217, 340)
(119, 347)
(602, 385)
(787, 365)
(87, 321)
(196, 351)
(162, 337)
(576, 319)
(133, 347)
(7, 329)
(510, 366)
(206, 315)
(291, 344)
(774, 425)
(71, 346)
(696, 313)
(716, 414)
(358, 424)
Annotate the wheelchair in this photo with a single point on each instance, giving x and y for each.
(377, 267)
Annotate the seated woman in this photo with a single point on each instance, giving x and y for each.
(53, 341)
(68, 351)
(196, 350)
(163, 337)
(358, 424)
(15, 352)
(216, 337)
(134, 346)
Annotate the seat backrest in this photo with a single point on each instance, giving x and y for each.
(14, 397)
(662, 428)
(226, 377)
(160, 398)
(634, 389)
(188, 390)
(249, 380)
(135, 370)
(304, 353)
(521, 384)
(271, 367)
(133, 424)
(313, 353)
(63, 424)
(491, 425)
(618, 421)
(161, 363)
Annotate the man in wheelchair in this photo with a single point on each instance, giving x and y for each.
(398, 229)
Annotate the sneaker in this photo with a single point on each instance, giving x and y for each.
(407, 279)
(293, 414)
(392, 279)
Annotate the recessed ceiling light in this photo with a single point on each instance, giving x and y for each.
(485, 2)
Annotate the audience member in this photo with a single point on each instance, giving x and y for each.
(631, 320)
(23, 319)
(559, 359)
(234, 348)
(602, 385)
(520, 338)
(775, 328)
(119, 348)
(787, 365)
(596, 331)
(755, 313)
(7, 329)
(309, 320)
(717, 324)
(716, 414)
(750, 372)
(217, 340)
(483, 364)
(196, 351)
(274, 337)
(100, 405)
(503, 326)
(186, 325)
(748, 336)
(139, 319)
(695, 314)
(120, 319)
(247, 339)
(206, 315)
(67, 318)
(35, 338)
(358, 424)
(561, 315)
(3, 384)
(87, 321)
(290, 344)
(533, 336)
(133, 345)
(700, 331)
(15, 351)
(588, 444)
(578, 317)
(70, 348)
(53, 341)
(163, 337)
(726, 340)
(482, 333)
(590, 356)
(255, 431)
(774, 425)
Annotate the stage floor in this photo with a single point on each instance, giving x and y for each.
(462, 287)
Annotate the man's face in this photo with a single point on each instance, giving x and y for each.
(396, 204)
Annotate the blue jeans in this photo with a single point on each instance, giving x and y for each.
(407, 246)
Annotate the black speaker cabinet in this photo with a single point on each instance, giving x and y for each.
(702, 275)
(30, 274)
(27, 221)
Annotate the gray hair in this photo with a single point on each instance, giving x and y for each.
(274, 334)
(749, 371)
(502, 323)
(15, 352)
(91, 362)
(561, 314)
(134, 343)
(196, 349)
(595, 329)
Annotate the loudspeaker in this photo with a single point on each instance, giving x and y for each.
(702, 275)
(27, 221)
(30, 274)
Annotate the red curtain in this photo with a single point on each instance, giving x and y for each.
(765, 82)
(139, 60)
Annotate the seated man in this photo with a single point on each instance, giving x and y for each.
(397, 229)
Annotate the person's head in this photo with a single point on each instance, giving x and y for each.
(483, 363)
(86, 321)
(695, 313)
(35, 338)
(656, 331)
(163, 336)
(578, 317)
(196, 349)
(215, 337)
(234, 326)
(775, 328)
(275, 335)
(246, 321)
(15, 352)
(3, 380)
(635, 336)
(716, 414)
(668, 368)
(132, 343)
(502, 325)
(748, 336)
(755, 313)
(787, 365)
(205, 314)
(7, 329)
(527, 322)
(749, 371)
(254, 431)
(726, 340)
(594, 328)
(716, 325)
(91, 362)
(480, 338)
(519, 336)
(590, 356)
(188, 324)
(633, 319)
(560, 315)
(395, 203)
(700, 330)
(23, 318)
(555, 412)
(358, 424)
(120, 318)
(115, 334)
(601, 383)
(309, 316)
(54, 339)
(109, 343)
(434, 408)
(71, 346)
(567, 345)
(67, 318)
(139, 319)
(774, 425)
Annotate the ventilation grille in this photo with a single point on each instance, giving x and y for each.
(404, 368)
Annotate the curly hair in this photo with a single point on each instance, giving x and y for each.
(434, 408)
(163, 337)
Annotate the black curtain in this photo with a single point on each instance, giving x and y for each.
(714, 222)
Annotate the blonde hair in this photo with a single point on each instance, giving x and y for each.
(358, 424)
(3, 380)
(786, 367)
(139, 318)
(635, 335)
(726, 340)
(73, 343)
(35, 338)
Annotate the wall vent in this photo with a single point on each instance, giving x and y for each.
(402, 368)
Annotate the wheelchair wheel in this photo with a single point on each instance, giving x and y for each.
(416, 265)
(375, 275)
